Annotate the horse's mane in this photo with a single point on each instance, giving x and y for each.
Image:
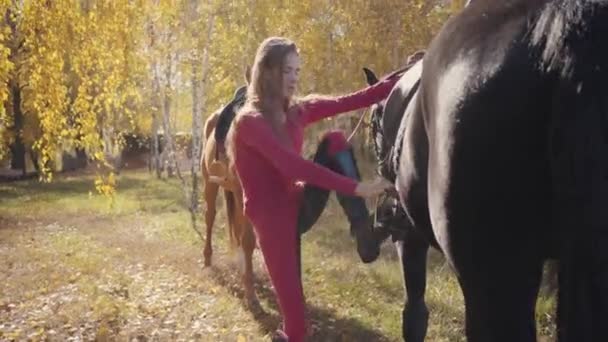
(562, 29)
(388, 152)
(376, 130)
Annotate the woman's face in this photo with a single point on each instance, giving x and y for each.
(291, 74)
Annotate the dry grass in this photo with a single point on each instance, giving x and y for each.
(76, 266)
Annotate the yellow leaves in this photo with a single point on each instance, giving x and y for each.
(107, 71)
(90, 70)
(6, 68)
(106, 185)
(105, 308)
(457, 5)
(14, 335)
(103, 332)
(80, 73)
(44, 99)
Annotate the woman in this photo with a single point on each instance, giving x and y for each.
(264, 146)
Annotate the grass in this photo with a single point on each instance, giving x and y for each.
(76, 265)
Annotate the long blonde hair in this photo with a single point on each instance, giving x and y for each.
(265, 92)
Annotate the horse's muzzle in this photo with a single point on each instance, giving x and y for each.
(368, 244)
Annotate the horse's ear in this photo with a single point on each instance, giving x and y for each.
(248, 75)
(370, 76)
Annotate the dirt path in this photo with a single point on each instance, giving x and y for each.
(114, 278)
(126, 278)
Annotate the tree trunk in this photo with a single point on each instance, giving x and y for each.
(170, 152)
(198, 103)
(196, 139)
(17, 147)
(155, 150)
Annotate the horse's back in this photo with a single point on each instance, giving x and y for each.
(486, 105)
(495, 80)
(210, 124)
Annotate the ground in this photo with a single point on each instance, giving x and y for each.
(77, 266)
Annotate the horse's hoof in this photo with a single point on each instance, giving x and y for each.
(207, 256)
(207, 272)
(253, 305)
(368, 245)
(415, 322)
(252, 300)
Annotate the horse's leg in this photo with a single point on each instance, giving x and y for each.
(247, 244)
(413, 255)
(500, 300)
(211, 190)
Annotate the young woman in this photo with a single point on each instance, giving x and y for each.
(264, 146)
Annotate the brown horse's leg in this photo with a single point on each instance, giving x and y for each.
(211, 190)
(246, 241)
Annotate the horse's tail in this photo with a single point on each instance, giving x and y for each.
(234, 231)
(233, 227)
(571, 36)
(578, 58)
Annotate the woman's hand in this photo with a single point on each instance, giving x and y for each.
(373, 188)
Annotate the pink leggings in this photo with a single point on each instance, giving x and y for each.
(277, 237)
(278, 245)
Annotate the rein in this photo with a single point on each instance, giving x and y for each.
(352, 134)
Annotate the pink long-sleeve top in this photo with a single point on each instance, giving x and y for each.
(269, 169)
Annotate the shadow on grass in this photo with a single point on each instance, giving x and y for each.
(327, 325)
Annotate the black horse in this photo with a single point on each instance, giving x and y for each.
(503, 161)
(391, 219)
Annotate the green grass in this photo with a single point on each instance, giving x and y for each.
(76, 263)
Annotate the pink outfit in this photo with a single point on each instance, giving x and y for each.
(268, 170)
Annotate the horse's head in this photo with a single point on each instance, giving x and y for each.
(388, 214)
(381, 214)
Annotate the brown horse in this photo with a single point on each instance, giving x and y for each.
(217, 175)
